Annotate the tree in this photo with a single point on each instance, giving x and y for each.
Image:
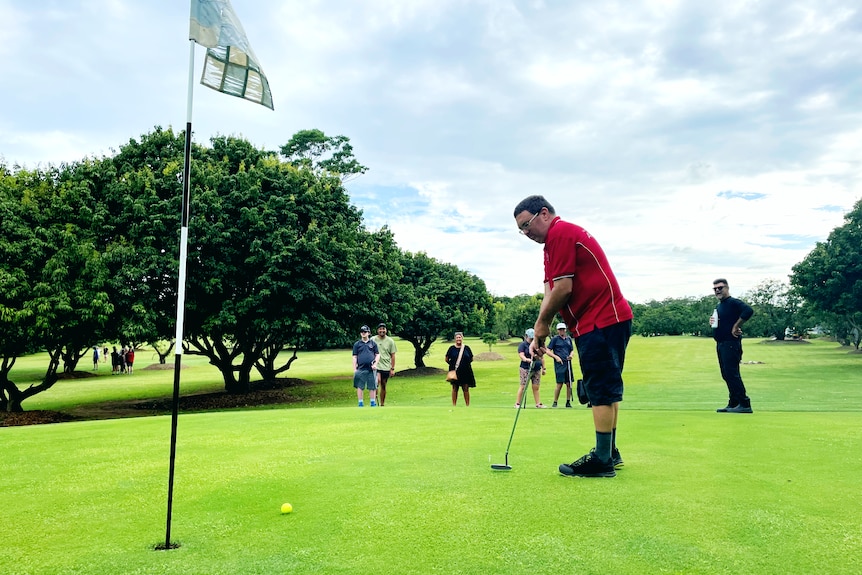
(830, 276)
(521, 312)
(490, 339)
(365, 303)
(314, 150)
(275, 257)
(444, 299)
(673, 316)
(56, 298)
(17, 270)
(142, 189)
(499, 326)
(776, 308)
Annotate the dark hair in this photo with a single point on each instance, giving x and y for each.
(721, 280)
(534, 205)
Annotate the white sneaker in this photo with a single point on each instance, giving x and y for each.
(541, 406)
(517, 406)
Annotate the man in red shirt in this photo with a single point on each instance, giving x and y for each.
(582, 288)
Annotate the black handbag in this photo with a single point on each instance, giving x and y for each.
(581, 390)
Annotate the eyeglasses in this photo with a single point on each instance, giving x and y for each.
(526, 226)
(718, 288)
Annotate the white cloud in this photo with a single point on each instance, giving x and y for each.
(631, 118)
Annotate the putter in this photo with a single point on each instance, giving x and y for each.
(505, 466)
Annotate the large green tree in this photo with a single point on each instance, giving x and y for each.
(673, 316)
(278, 257)
(830, 277)
(520, 313)
(776, 309)
(444, 299)
(55, 297)
(18, 245)
(314, 150)
(142, 189)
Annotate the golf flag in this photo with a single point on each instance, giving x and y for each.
(230, 65)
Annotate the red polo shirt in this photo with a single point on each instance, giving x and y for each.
(596, 301)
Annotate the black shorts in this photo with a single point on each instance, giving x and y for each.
(384, 376)
(602, 353)
(562, 373)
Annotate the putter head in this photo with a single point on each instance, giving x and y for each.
(501, 467)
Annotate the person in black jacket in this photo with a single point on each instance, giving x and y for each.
(726, 322)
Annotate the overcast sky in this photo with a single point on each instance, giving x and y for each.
(693, 139)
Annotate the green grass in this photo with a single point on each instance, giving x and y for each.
(408, 488)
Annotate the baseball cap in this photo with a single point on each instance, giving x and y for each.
(364, 328)
(530, 332)
(381, 324)
(561, 325)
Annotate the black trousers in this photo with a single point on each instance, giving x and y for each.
(729, 356)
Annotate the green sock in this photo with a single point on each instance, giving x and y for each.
(603, 445)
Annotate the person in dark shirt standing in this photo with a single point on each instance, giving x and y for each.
(365, 358)
(726, 322)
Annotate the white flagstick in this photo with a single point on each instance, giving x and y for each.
(181, 289)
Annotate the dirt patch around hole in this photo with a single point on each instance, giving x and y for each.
(489, 356)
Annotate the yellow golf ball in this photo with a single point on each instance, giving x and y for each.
(286, 508)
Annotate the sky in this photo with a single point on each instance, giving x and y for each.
(693, 139)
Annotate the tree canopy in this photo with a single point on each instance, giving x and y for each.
(279, 259)
(314, 150)
(830, 278)
(443, 300)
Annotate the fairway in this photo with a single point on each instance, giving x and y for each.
(408, 488)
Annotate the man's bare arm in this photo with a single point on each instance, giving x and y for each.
(554, 300)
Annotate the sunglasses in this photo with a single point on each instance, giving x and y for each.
(718, 288)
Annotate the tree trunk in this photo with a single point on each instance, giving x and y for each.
(13, 398)
(236, 385)
(162, 356)
(421, 345)
(418, 356)
(237, 378)
(241, 383)
(266, 364)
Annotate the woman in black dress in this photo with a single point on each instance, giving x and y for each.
(464, 371)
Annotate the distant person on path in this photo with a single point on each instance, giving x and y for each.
(130, 359)
(95, 358)
(726, 322)
(561, 348)
(531, 369)
(463, 368)
(105, 354)
(582, 288)
(115, 361)
(386, 365)
(365, 358)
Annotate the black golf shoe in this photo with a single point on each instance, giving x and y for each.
(740, 409)
(616, 458)
(588, 466)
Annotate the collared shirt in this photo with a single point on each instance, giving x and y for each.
(596, 300)
(561, 346)
(729, 310)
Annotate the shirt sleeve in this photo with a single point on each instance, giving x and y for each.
(745, 311)
(561, 253)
